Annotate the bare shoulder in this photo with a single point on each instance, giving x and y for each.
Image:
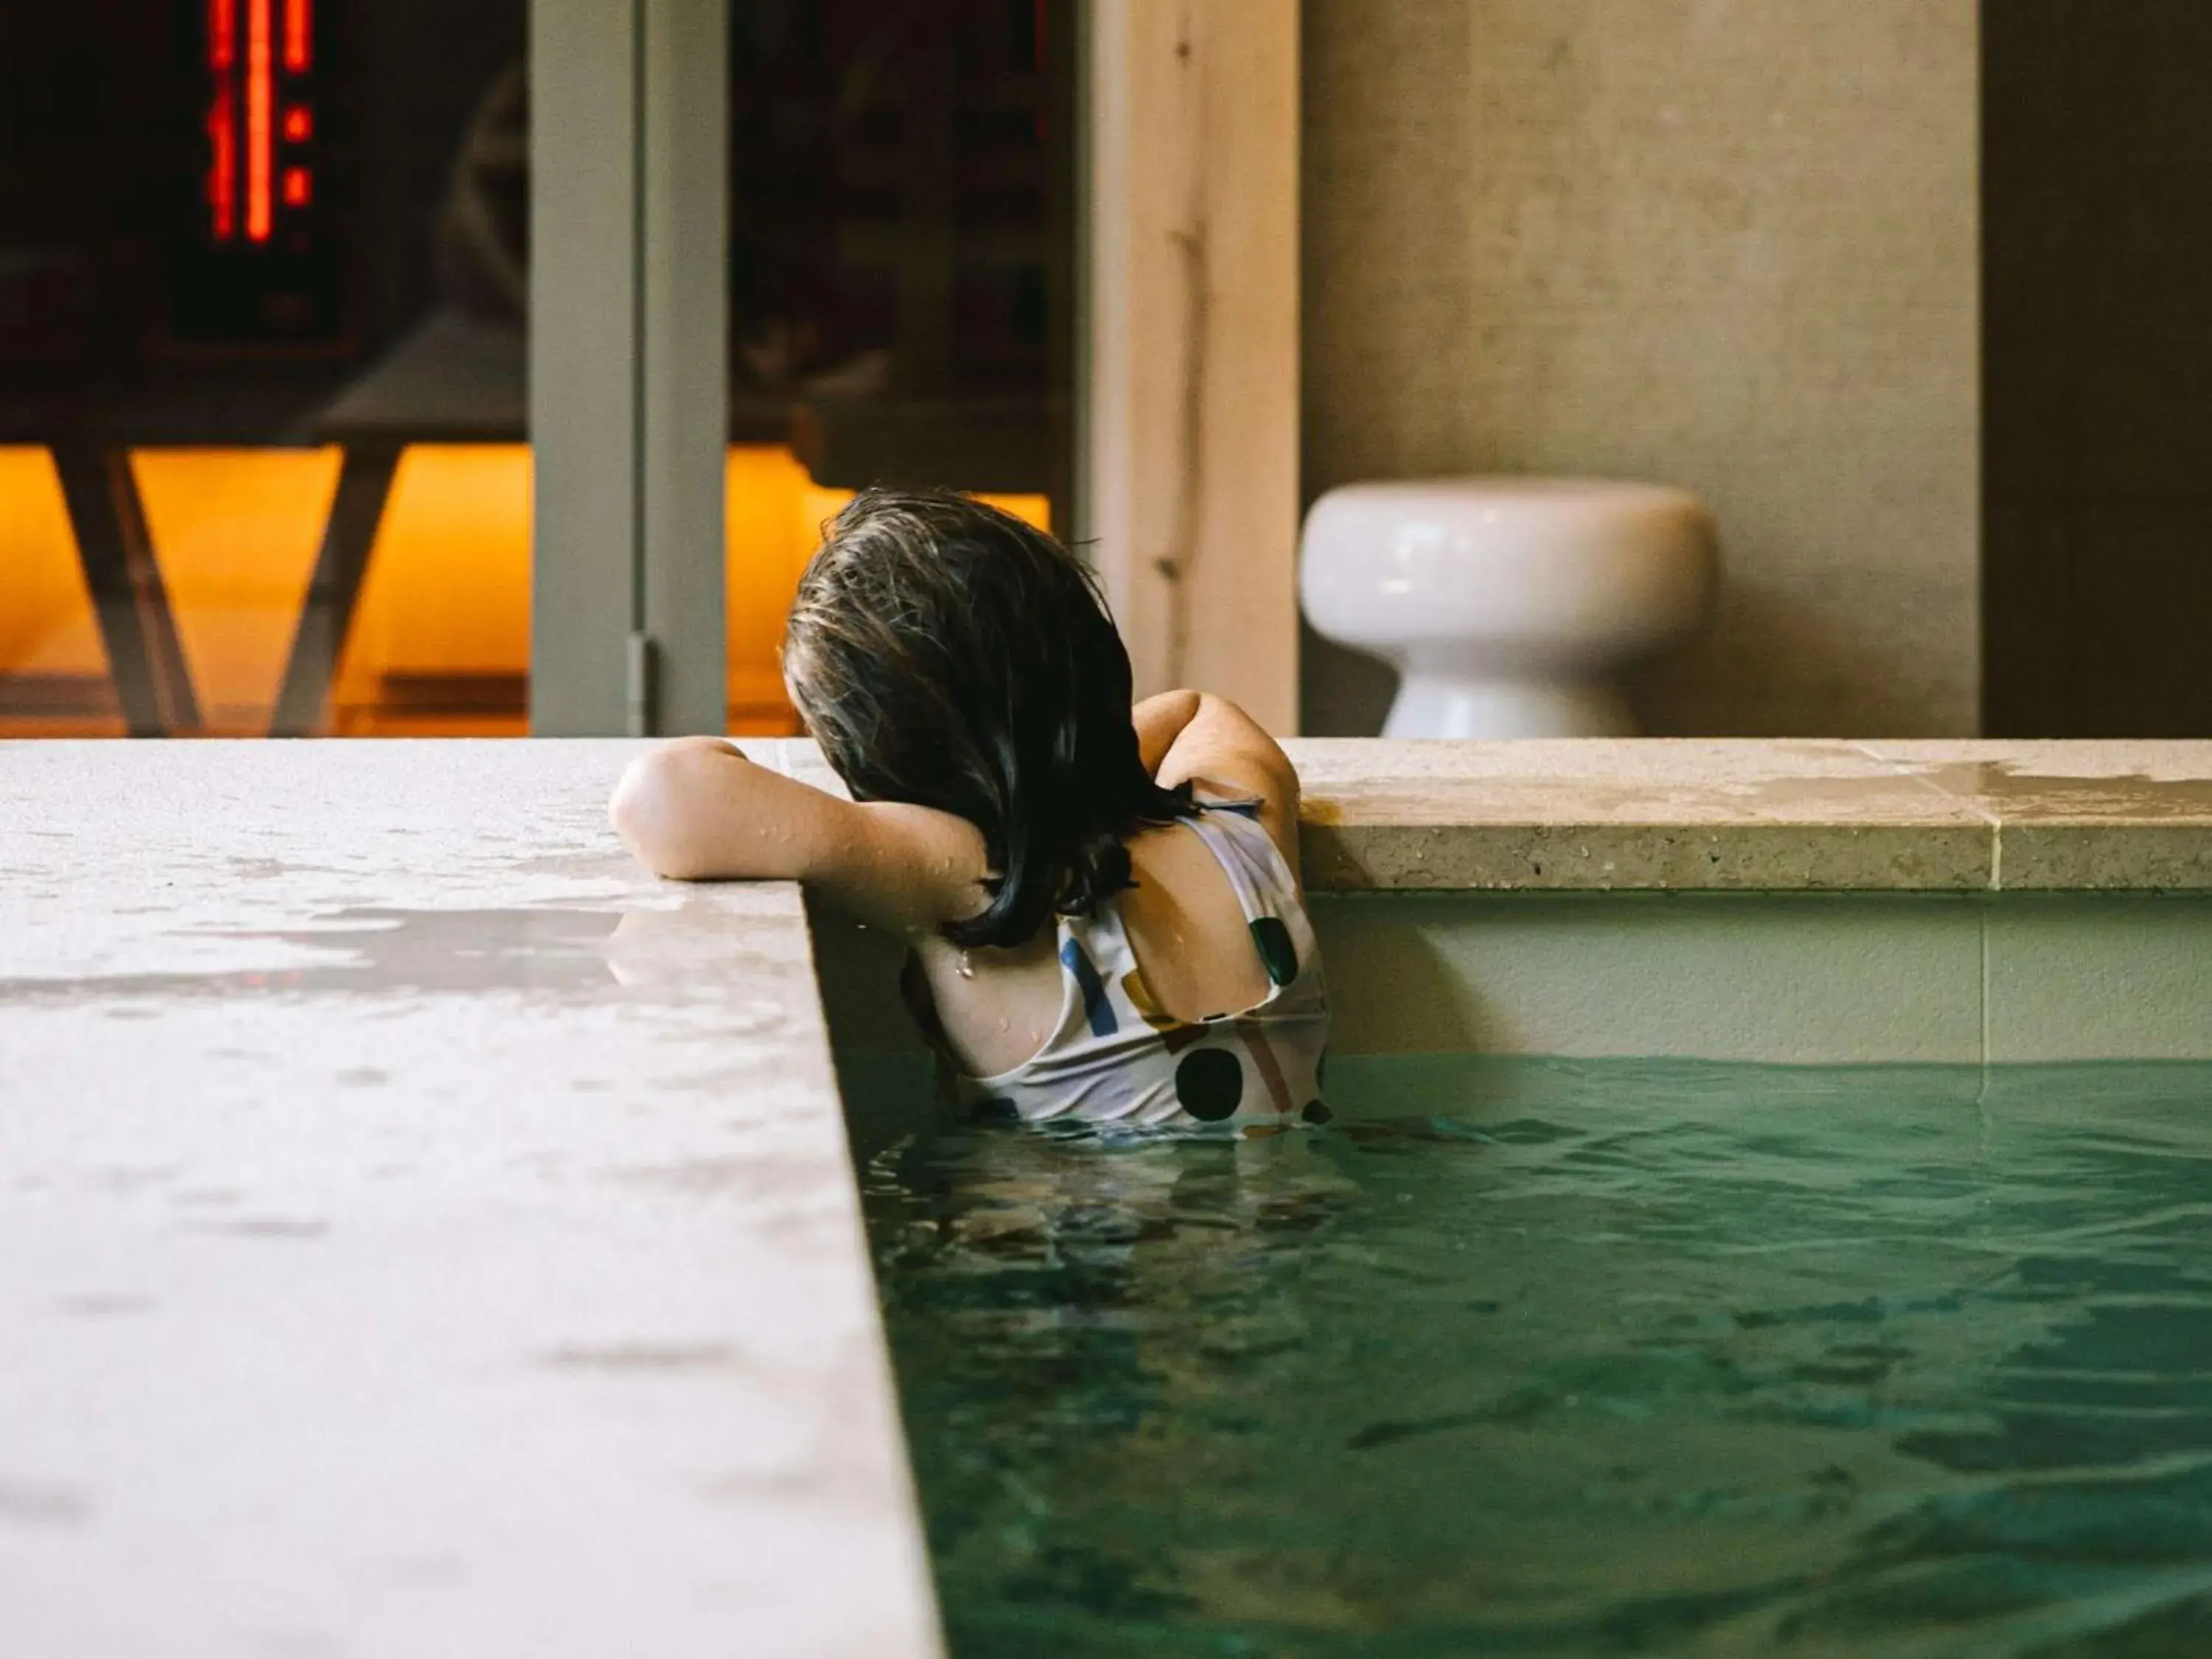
(1222, 743)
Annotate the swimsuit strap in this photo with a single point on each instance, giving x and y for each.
(1266, 889)
(1247, 856)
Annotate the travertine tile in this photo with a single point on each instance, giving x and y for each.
(1747, 814)
(2082, 816)
(1613, 814)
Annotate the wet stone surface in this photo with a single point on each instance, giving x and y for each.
(420, 1231)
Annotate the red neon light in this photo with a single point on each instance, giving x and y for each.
(299, 35)
(298, 186)
(222, 169)
(299, 125)
(260, 98)
(222, 33)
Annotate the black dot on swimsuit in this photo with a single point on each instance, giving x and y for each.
(1210, 1083)
(1272, 936)
(1317, 1113)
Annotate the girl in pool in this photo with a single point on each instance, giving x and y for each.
(1102, 904)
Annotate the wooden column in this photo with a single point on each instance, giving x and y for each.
(1188, 351)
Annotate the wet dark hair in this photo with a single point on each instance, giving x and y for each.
(947, 655)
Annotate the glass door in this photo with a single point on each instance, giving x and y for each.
(262, 331)
(902, 252)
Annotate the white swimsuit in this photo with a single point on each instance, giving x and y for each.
(1116, 1057)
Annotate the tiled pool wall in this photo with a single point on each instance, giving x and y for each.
(1815, 979)
(1808, 980)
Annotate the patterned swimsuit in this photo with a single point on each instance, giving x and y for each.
(1116, 1057)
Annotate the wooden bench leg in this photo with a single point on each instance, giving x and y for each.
(128, 598)
(326, 612)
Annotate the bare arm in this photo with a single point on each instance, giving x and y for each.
(1159, 721)
(697, 809)
(1194, 734)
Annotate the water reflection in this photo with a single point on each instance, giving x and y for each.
(1676, 1359)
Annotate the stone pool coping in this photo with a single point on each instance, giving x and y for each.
(1740, 815)
(422, 1229)
(1749, 815)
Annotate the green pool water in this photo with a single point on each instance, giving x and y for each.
(1538, 1358)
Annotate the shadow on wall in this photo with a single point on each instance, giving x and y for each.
(1770, 665)
(1393, 989)
(1342, 693)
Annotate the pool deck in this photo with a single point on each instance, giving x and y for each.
(421, 1231)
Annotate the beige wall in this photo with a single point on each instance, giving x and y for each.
(1728, 244)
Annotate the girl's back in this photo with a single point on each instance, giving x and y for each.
(1102, 901)
(1193, 997)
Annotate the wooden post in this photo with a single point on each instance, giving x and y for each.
(1187, 438)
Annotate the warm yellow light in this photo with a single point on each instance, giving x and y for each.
(445, 605)
(46, 625)
(47, 628)
(767, 545)
(441, 634)
(236, 532)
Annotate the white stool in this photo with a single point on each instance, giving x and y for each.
(1510, 607)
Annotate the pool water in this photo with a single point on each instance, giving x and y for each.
(1543, 1359)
